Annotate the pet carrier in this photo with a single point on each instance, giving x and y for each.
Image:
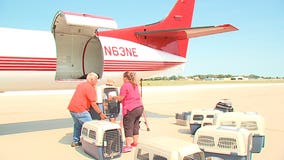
(224, 105)
(102, 139)
(202, 117)
(109, 106)
(167, 148)
(249, 120)
(183, 118)
(225, 142)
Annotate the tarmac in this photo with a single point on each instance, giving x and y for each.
(37, 124)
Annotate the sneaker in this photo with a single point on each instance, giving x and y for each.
(134, 144)
(126, 149)
(75, 144)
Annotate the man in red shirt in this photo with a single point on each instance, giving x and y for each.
(84, 96)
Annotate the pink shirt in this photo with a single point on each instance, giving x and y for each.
(132, 98)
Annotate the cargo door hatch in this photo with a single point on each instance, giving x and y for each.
(79, 50)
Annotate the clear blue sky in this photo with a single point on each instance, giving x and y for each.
(257, 48)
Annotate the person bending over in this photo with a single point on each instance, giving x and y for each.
(83, 98)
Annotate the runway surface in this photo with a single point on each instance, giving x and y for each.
(37, 125)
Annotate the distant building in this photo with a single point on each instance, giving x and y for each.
(239, 78)
(196, 78)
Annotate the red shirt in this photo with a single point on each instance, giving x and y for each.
(81, 100)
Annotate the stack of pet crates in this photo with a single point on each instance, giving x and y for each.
(226, 142)
(235, 135)
(251, 121)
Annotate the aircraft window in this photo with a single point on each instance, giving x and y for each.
(142, 155)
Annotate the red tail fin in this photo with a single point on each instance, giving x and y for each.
(179, 17)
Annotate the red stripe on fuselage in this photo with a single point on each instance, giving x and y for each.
(27, 64)
(115, 66)
(49, 64)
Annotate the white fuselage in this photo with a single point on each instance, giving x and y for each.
(29, 60)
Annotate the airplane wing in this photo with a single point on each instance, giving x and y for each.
(184, 33)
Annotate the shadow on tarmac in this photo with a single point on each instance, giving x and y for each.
(41, 125)
(32, 126)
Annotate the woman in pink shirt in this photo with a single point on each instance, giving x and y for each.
(132, 109)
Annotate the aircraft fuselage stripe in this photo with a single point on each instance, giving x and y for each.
(27, 64)
(49, 64)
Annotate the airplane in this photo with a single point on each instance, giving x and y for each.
(80, 43)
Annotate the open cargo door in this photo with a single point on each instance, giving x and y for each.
(79, 51)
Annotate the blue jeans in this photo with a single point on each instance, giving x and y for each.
(79, 119)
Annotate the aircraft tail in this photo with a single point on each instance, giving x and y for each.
(160, 36)
(170, 34)
(179, 17)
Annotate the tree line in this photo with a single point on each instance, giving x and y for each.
(210, 76)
